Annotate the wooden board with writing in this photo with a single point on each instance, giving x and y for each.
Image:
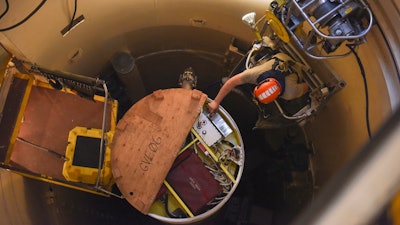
(148, 139)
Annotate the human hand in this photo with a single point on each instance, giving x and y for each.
(212, 107)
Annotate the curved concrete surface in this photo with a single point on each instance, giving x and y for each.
(165, 37)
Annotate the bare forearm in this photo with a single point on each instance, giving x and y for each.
(227, 87)
(223, 92)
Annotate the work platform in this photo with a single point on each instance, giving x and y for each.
(172, 160)
(168, 157)
(36, 125)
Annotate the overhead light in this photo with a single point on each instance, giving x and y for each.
(250, 20)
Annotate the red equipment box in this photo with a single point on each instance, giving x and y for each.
(192, 181)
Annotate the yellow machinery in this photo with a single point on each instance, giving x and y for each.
(81, 165)
(55, 135)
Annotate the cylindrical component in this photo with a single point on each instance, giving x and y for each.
(127, 72)
(322, 10)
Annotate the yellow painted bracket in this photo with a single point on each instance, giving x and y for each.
(228, 174)
(20, 115)
(395, 209)
(176, 196)
(277, 26)
(47, 179)
(83, 174)
(187, 146)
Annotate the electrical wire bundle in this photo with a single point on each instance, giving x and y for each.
(223, 180)
(23, 20)
(218, 174)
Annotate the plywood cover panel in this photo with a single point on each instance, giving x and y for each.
(147, 141)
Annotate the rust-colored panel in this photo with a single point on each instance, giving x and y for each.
(10, 114)
(49, 116)
(147, 141)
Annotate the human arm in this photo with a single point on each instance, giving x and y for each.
(246, 76)
(304, 87)
(294, 89)
(224, 91)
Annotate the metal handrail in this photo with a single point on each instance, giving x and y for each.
(312, 24)
(102, 134)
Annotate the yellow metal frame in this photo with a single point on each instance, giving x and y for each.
(156, 207)
(395, 209)
(277, 26)
(32, 81)
(183, 205)
(82, 174)
(47, 179)
(20, 115)
(226, 171)
(114, 103)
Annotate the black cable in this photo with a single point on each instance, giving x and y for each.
(25, 19)
(6, 10)
(71, 23)
(54, 153)
(169, 213)
(351, 47)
